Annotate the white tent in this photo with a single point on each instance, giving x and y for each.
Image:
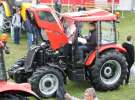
(123, 4)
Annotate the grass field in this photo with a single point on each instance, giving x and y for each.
(125, 27)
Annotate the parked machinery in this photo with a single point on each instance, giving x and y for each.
(47, 65)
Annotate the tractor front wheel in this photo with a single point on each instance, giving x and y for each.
(45, 81)
(109, 71)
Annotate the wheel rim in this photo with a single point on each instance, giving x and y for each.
(110, 72)
(48, 84)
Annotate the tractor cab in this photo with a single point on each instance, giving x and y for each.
(77, 27)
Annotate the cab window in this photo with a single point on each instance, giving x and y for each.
(107, 32)
(46, 16)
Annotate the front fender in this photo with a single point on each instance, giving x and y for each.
(17, 88)
(101, 49)
(60, 69)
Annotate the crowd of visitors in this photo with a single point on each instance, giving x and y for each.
(29, 25)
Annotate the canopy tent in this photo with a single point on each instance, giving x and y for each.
(119, 4)
(69, 1)
(79, 1)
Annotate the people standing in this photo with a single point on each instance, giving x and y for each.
(12, 27)
(58, 6)
(128, 45)
(81, 8)
(16, 22)
(28, 27)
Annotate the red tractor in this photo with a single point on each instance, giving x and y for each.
(50, 63)
(10, 90)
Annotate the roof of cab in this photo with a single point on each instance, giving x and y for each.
(91, 15)
(41, 6)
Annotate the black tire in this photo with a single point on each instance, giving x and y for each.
(49, 75)
(20, 61)
(109, 71)
(8, 96)
(17, 71)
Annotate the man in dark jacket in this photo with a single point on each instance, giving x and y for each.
(128, 45)
(91, 42)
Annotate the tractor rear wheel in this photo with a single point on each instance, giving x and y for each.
(109, 71)
(9, 96)
(45, 81)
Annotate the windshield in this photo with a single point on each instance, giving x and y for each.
(46, 16)
(69, 28)
(107, 32)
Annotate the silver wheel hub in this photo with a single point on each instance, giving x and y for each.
(110, 72)
(48, 84)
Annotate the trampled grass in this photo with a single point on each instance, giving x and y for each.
(125, 27)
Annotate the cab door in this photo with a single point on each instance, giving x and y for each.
(48, 21)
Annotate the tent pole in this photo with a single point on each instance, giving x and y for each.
(113, 6)
(68, 4)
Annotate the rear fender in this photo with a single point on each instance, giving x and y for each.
(102, 49)
(24, 88)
